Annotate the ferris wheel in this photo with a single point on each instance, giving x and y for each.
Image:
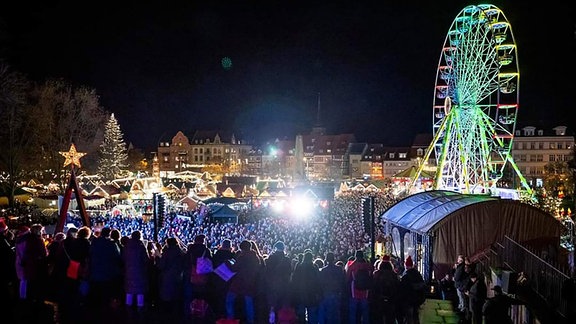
(475, 102)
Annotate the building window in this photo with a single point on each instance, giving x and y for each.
(539, 158)
(552, 145)
(402, 155)
(551, 158)
(532, 145)
(419, 152)
(529, 131)
(540, 132)
(541, 145)
(532, 158)
(391, 155)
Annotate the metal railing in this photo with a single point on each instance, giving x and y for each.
(541, 277)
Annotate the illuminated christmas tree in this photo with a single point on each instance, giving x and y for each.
(113, 152)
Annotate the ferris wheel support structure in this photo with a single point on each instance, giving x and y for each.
(475, 106)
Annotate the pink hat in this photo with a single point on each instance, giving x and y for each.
(408, 263)
(386, 258)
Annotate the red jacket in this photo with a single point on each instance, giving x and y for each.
(350, 270)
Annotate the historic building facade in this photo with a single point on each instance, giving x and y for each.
(218, 150)
(535, 147)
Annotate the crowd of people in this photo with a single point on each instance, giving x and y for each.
(270, 270)
(470, 291)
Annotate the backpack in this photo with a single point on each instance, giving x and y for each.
(419, 289)
(362, 279)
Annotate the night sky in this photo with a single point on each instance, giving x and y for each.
(158, 64)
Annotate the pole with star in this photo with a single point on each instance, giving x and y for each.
(73, 159)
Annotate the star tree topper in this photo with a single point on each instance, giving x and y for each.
(72, 156)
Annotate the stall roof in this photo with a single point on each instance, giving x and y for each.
(421, 211)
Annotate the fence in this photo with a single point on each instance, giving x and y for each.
(541, 277)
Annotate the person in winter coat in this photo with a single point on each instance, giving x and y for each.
(306, 289)
(32, 267)
(358, 297)
(171, 265)
(105, 272)
(278, 272)
(333, 286)
(246, 266)
(447, 288)
(31, 262)
(476, 297)
(8, 276)
(412, 292)
(135, 257)
(460, 282)
(66, 294)
(219, 286)
(496, 309)
(385, 294)
(196, 286)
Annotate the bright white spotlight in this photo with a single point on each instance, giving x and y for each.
(301, 207)
(278, 206)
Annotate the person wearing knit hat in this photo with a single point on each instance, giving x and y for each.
(413, 290)
(386, 258)
(409, 263)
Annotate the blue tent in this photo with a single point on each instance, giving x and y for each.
(223, 214)
(435, 226)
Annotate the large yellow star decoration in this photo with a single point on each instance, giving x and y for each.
(72, 156)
